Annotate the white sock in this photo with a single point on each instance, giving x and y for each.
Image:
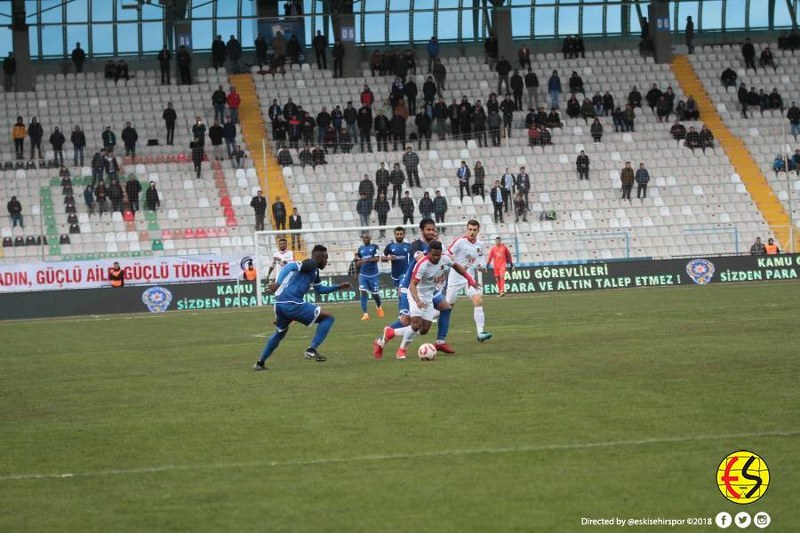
(401, 332)
(480, 318)
(408, 337)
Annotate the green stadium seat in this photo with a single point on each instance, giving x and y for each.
(158, 246)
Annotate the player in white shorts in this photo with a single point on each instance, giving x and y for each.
(282, 257)
(428, 274)
(467, 251)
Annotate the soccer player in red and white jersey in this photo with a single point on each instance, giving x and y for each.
(467, 251)
(500, 257)
(428, 274)
(282, 257)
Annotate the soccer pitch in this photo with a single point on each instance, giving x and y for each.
(583, 405)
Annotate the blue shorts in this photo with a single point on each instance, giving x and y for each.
(403, 302)
(286, 313)
(368, 283)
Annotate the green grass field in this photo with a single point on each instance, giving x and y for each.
(592, 404)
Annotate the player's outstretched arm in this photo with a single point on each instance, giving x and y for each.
(463, 271)
(327, 289)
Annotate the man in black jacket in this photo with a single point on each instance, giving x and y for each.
(398, 128)
(170, 118)
(382, 131)
(320, 44)
(407, 208)
(364, 121)
(411, 162)
(382, 179)
(396, 178)
(57, 141)
(259, 205)
(78, 139)
(295, 222)
(338, 59)
(219, 53)
(78, 57)
(278, 212)
(129, 139)
(133, 188)
(164, 57)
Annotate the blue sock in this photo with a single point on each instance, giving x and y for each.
(396, 324)
(323, 328)
(443, 326)
(363, 302)
(272, 344)
(377, 298)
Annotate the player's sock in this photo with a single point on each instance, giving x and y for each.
(363, 302)
(480, 318)
(322, 331)
(401, 331)
(443, 326)
(272, 344)
(377, 298)
(408, 337)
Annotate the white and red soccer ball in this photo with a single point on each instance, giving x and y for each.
(427, 352)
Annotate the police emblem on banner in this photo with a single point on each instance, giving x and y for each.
(157, 299)
(700, 270)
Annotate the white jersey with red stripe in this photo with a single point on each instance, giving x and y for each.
(281, 259)
(430, 277)
(468, 254)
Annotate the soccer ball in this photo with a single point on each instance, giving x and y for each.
(427, 352)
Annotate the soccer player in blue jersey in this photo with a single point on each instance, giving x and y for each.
(367, 264)
(420, 247)
(294, 281)
(399, 253)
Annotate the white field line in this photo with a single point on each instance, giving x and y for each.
(393, 457)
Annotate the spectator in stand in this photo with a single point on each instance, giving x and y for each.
(35, 133)
(582, 164)
(218, 100)
(122, 71)
(197, 157)
(133, 189)
(101, 196)
(382, 208)
(294, 49)
(573, 107)
(78, 139)
(587, 110)
(129, 139)
(218, 53)
(597, 104)
(524, 55)
(10, 72)
(503, 68)
(411, 92)
(88, 197)
(517, 85)
(508, 180)
(111, 165)
(229, 134)
(364, 121)
(109, 139)
(463, 174)
(596, 129)
(749, 54)
(115, 194)
(628, 118)
(396, 178)
(215, 134)
(366, 187)
(440, 75)
(554, 89)
(407, 208)
(433, 52)
(350, 117)
(793, 114)
(576, 84)
(278, 211)
(184, 60)
(383, 131)
(423, 123)
(496, 195)
(758, 247)
(728, 78)
(78, 57)
(523, 184)
(15, 212)
(626, 178)
(618, 119)
(318, 156)
(279, 50)
(259, 205)
(411, 164)
(775, 100)
(285, 157)
(479, 120)
(520, 208)
(491, 48)
(338, 59)
(170, 118)
(635, 97)
(57, 141)
(440, 209)
(364, 209)
(234, 52)
(662, 109)
(767, 60)
(261, 48)
(98, 166)
(642, 179)
(426, 206)
(706, 138)
(233, 101)
(689, 34)
(398, 129)
(691, 110)
(532, 85)
(110, 70)
(478, 186)
(678, 131)
(320, 45)
(652, 97)
(18, 133)
(367, 97)
(495, 123)
(164, 57)
(295, 223)
(429, 92)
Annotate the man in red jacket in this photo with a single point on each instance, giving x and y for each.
(233, 104)
(499, 257)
